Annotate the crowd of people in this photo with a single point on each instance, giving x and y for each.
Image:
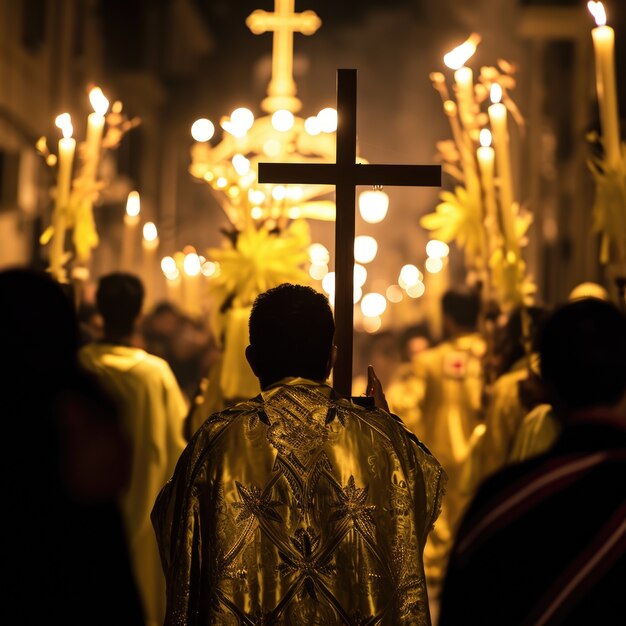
(481, 477)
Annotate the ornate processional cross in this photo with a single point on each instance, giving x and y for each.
(346, 174)
(284, 22)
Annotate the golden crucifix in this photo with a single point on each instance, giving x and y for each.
(284, 22)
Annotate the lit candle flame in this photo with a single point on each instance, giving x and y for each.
(457, 58)
(64, 122)
(496, 93)
(98, 101)
(150, 231)
(485, 137)
(597, 10)
(133, 204)
(168, 265)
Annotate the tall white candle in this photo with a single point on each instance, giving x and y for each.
(191, 283)
(150, 245)
(498, 119)
(67, 147)
(604, 48)
(131, 226)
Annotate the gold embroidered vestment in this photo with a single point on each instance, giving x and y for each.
(298, 507)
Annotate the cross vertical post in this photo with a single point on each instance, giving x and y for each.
(346, 174)
(345, 228)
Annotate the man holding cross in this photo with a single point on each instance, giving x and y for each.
(298, 506)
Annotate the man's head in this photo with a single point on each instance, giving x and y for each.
(291, 334)
(460, 310)
(119, 299)
(583, 355)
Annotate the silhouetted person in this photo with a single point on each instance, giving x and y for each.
(153, 411)
(298, 506)
(65, 460)
(544, 541)
(449, 382)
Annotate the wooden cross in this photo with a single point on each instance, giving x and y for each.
(284, 22)
(346, 174)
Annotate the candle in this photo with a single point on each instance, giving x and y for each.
(67, 147)
(131, 224)
(486, 156)
(173, 283)
(95, 126)
(150, 245)
(191, 283)
(604, 48)
(464, 78)
(498, 119)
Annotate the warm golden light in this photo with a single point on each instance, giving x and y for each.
(434, 264)
(242, 118)
(485, 137)
(221, 182)
(98, 101)
(191, 264)
(373, 206)
(372, 324)
(168, 265)
(133, 204)
(365, 248)
(496, 93)
(318, 253)
(356, 294)
(417, 290)
(373, 304)
(256, 196)
(327, 119)
(208, 268)
(317, 272)
(64, 122)
(312, 126)
(283, 120)
(328, 284)
(202, 129)
(457, 58)
(150, 231)
(437, 249)
(409, 275)
(241, 164)
(360, 275)
(597, 10)
(394, 293)
(279, 193)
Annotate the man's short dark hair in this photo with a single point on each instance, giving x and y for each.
(119, 299)
(291, 333)
(462, 306)
(583, 354)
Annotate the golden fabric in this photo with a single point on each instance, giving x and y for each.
(446, 385)
(153, 411)
(450, 406)
(298, 507)
(536, 434)
(503, 417)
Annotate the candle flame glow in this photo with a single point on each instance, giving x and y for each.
(457, 58)
(485, 137)
(64, 122)
(597, 10)
(133, 204)
(495, 93)
(98, 101)
(150, 231)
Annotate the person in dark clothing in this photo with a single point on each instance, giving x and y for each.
(65, 460)
(544, 541)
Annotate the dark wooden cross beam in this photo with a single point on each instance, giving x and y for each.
(346, 174)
